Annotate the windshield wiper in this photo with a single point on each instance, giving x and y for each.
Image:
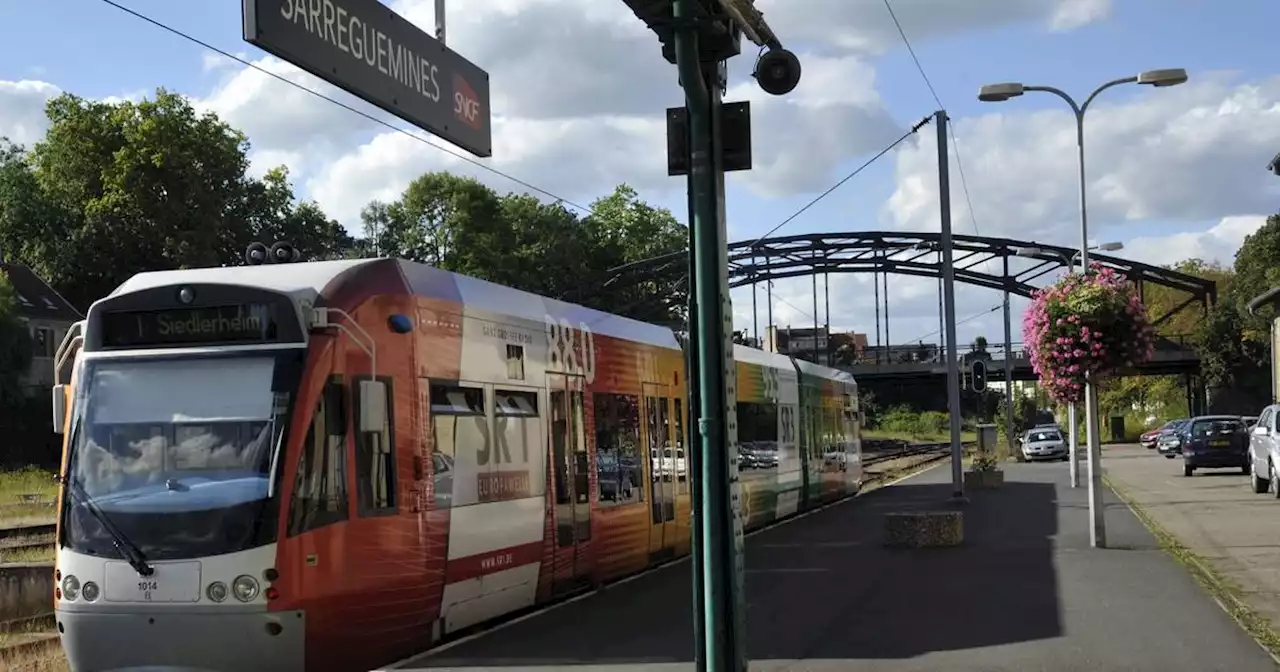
(127, 548)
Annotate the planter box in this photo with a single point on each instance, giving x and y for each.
(983, 480)
(926, 529)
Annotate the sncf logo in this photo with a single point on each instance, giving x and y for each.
(466, 105)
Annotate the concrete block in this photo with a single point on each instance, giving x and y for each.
(923, 529)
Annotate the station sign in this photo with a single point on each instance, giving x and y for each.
(364, 48)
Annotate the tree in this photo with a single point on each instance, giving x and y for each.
(627, 230)
(119, 188)
(1257, 269)
(458, 224)
(15, 349)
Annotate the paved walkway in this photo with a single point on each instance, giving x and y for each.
(1215, 513)
(1025, 593)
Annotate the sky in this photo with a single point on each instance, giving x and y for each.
(579, 89)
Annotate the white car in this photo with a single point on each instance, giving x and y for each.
(1264, 451)
(1044, 443)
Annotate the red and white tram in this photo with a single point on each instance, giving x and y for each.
(333, 465)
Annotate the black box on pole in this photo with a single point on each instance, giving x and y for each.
(735, 126)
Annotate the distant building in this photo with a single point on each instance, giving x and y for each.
(47, 315)
(815, 345)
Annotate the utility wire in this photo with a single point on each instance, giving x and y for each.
(366, 115)
(971, 318)
(846, 178)
(951, 131)
(837, 185)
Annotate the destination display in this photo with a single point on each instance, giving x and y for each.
(206, 325)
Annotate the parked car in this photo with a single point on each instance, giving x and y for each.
(1044, 444)
(1264, 451)
(1215, 442)
(1148, 439)
(1249, 420)
(1169, 440)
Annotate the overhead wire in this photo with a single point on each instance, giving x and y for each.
(362, 113)
(844, 179)
(951, 132)
(970, 318)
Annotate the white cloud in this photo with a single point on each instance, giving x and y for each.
(1216, 244)
(1189, 154)
(865, 25)
(283, 120)
(22, 118)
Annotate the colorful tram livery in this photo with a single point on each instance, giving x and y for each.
(332, 465)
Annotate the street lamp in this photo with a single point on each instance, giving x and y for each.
(1039, 251)
(993, 93)
(1274, 166)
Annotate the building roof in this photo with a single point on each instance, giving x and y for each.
(35, 298)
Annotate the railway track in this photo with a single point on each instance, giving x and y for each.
(877, 456)
(26, 537)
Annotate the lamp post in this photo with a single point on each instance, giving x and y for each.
(1000, 92)
(1074, 453)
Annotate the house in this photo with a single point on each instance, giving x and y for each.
(47, 315)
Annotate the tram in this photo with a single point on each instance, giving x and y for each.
(333, 465)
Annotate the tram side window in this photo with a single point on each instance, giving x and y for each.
(375, 461)
(513, 468)
(757, 435)
(460, 437)
(619, 470)
(320, 487)
(682, 452)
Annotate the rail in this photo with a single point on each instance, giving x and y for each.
(882, 450)
(27, 536)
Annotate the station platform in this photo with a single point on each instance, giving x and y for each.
(1024, 593)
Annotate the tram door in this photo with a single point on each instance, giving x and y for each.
(663, 458)
(571, 485)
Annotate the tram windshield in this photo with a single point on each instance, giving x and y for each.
(177, 453)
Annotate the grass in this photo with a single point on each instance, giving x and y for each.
(28, 647)
(31, 554)
(26, 481)
(1225, 591)
(872, 434)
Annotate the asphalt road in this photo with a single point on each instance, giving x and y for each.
(1025, 593)
(1215, 513)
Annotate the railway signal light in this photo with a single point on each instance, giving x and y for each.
(978, 372)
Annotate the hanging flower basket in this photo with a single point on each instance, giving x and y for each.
(1085, 325)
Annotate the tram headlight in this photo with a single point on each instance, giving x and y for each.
(70, 587)
(216, 591)
(245, 588)
(89, 591)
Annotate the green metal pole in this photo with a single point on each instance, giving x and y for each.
(692, 440)
(721, 570)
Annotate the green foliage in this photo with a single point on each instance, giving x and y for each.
(461, 225)
(15, 350)
(1026, 414)
(985, 461)
(114, 189)
(903, 420)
